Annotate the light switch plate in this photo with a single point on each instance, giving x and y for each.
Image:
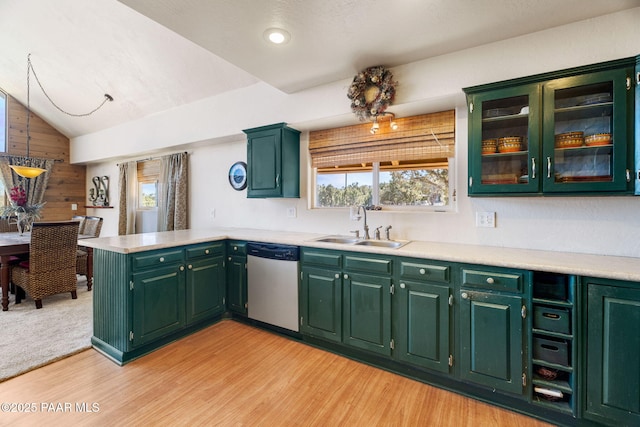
(486, 219)
(291, 212)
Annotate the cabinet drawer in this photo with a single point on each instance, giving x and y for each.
(154, 259)
(502, 281)
(328, 259)
(551, 319)
(369, 265)
(551, 350)
(213, 248)
(431, 272)
(236, 248)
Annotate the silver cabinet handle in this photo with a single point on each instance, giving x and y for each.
(533, 168)
(423, 271)
(190, 267)
(402, 285)
(337, 276)
(490, 280)
(206, 251)
(277, 179)
(465, 295)
(548, 167)
(229, 258)
(182, 268)
(235, 248)
(346, 276)
(161, 259)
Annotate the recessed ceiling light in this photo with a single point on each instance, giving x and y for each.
(277, 36)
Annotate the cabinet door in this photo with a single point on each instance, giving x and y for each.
(491, 340)
(264, 163)
(422, 321)
(613, 343)
(504, 141)
(367, 312)
(637, 128)
(586, 138)
(158, 303)
(237, 284)
(205, 289)
(321, 304)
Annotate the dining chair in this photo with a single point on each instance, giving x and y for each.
(81, 220)
(92, 227)
(51, 268)
(8, 224)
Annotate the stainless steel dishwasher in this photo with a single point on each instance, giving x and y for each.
(272, 284)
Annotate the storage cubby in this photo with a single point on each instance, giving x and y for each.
(553, 348)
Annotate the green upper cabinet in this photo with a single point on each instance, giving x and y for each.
(637, 128)
(273, 161)
(568, 132)
(505, 147)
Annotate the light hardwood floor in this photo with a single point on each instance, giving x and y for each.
(233, 374)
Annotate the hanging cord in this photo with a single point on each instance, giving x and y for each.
(107, 97)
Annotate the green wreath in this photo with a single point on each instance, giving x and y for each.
(371, 92)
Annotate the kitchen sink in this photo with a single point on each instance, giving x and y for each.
(394, 244)
(338, 239)
(348, 240)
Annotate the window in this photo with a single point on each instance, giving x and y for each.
(148, 175)
(407, 169)
(405, 184)
(148, 192)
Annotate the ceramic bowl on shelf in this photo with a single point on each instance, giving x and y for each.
(569, 139)
(598, 139)
(509, 144)
(489, 146)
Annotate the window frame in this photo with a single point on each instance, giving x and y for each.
(375, 192)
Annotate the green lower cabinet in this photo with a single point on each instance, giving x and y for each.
(158, 303)
(205, 291)
(237, 284)
(367, 312)
(321, 304)
(613, 353)
(421, 319)
(492, 340)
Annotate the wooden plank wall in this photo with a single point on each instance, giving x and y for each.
(67, 183)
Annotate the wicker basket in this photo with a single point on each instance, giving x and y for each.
(509, 144)
(598, 139)
(569, 139)
(489, 146)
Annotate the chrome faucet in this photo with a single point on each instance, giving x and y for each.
(386, 231)
(366, 227)
(378, 232)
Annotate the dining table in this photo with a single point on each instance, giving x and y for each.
(14, 244)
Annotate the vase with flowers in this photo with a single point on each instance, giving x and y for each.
(19, 211)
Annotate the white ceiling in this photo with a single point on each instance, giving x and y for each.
(155, 55)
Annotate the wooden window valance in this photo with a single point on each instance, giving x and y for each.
(428, 137)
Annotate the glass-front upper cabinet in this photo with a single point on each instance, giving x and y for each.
(504, 148)
(569, 132)
(585, 133)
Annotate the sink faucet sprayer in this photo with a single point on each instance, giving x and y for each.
(366, 227)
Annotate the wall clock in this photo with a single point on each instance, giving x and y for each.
(238, 176)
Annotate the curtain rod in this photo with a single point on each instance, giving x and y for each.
(151, 158)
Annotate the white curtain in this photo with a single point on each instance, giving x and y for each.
(128, 197)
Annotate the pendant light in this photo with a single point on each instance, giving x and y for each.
(32, 171)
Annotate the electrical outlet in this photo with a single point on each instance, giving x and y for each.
(486, 219)
(291, 212)
(74, 206)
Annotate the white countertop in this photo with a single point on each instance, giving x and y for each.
(614, 267)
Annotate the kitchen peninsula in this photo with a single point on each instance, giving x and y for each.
(503, 317)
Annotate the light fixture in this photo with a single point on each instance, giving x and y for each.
(277, 36)
(32, 171)
(375, 126)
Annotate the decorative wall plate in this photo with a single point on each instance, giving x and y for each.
(238, 176)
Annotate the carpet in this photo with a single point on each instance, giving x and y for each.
(32, 338)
